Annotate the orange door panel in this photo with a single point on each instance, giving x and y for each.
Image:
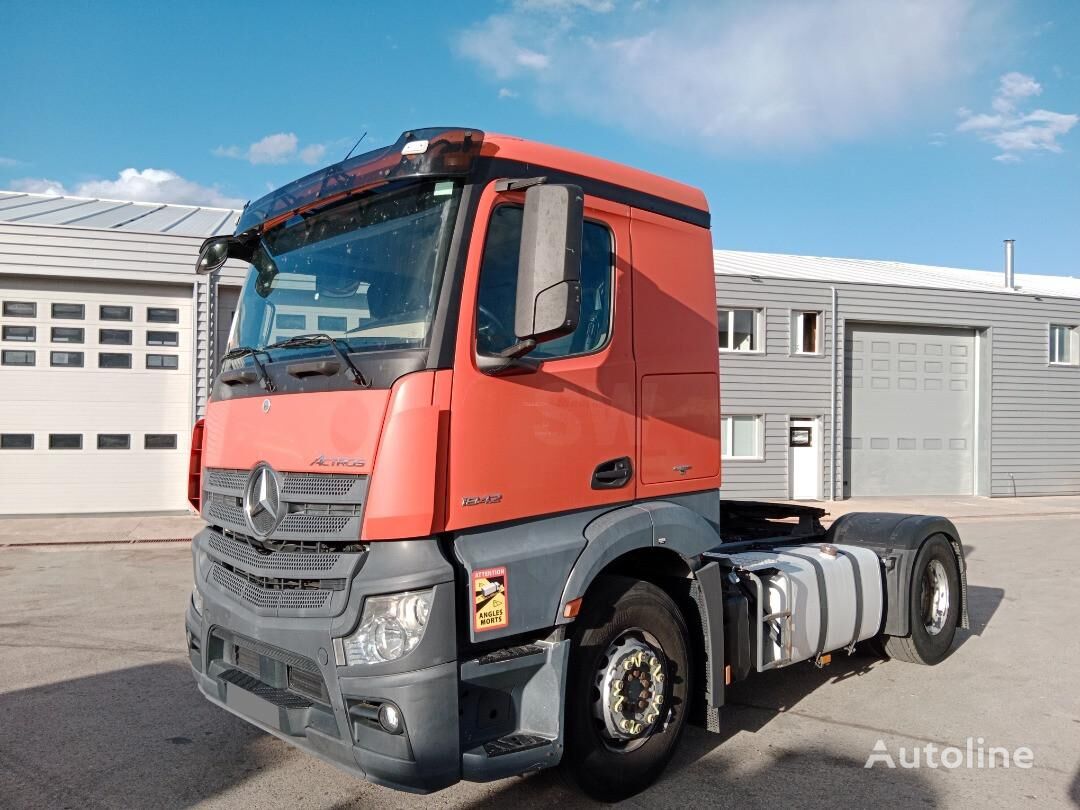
(675, 346)
(527, 445)
(680, 434)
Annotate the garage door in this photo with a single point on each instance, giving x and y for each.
(96, 410)
(910, 410)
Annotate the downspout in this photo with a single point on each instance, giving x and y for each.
(832, 404)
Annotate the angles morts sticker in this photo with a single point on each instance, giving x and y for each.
(491, 599)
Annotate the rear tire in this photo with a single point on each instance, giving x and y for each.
(633, 633)
(934, 606)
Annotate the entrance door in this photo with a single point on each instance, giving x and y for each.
(804, 452)
(529, 444)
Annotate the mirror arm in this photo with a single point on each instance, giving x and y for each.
(495, 366)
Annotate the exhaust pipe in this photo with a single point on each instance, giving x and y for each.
(1010, 278)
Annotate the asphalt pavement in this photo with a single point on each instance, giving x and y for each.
(98, 708)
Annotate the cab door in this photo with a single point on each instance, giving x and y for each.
(561, 438)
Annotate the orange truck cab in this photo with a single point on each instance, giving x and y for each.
(460, 472)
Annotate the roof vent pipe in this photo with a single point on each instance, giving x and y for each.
(1010, 279)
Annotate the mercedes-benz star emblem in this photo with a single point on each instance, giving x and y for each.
(262, 500)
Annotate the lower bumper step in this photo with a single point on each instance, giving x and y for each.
(512, 743)
(282, 698)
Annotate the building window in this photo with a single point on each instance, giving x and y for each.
(65, 441)
(16, 441)
(332, 323)
(285, 321)
(72, 311)
(114, 360)
(114, 441)
(21, 357)
(67, 334)
(1064, 346)
(114, 337)
(21, 333)
(162, 315)
(159, 441)
(162, 361)
(806, 332)
(114, 312)
(741, 436)
(20, 309)
(154, 338)
(738, 330)
(66, 359)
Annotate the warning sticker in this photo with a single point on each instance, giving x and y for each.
(491, 605)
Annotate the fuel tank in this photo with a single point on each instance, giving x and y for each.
(815, 598)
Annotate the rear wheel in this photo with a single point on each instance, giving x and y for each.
(628, 687)
(934, 605)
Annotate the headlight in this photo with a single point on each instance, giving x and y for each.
(391, 627)
(196, 600)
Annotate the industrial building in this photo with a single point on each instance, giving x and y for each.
(839, 377)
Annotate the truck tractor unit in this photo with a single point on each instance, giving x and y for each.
(461, 470)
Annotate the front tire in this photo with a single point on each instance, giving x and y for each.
(934, 606)
(628, 688)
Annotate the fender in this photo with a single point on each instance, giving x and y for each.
(897, 538)
(676, 529)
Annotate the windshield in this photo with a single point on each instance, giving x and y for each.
(366, 271)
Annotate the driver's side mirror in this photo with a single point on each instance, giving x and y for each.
(549, 268)
(213, 254)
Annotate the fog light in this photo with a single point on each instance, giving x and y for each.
(197, 600)
(390, 718)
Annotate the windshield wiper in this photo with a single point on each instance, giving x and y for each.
(253, 353)
(317, 338)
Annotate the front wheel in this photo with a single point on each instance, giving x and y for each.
(934, 606)
(628, 688)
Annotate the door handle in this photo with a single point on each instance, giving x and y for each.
(613, 474)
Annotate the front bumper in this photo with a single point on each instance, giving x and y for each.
(278, 670)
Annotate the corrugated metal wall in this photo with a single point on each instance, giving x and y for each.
(1030, 409)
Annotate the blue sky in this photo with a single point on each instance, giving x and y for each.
(915, 131)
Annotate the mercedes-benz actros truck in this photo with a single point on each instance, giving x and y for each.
(461, 479)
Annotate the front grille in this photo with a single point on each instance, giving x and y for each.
(309, 684)
(301, 561)
(311, 485)
(321, 507)
(247, 660)
(267, 599)
(286, 583)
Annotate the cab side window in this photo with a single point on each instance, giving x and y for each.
(498, 289)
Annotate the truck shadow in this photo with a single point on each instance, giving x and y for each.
(137, 737)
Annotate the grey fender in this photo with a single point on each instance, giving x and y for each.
(676, 529)
(607, 538)
(897, 538)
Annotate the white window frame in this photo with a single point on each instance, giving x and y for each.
(1073, 345)
(726, 427)
(797, 326)
(759, 322)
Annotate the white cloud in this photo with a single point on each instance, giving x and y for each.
(280, 147)
(506, 92)
(731, 75)
(38, 185)
(1013, 131)
(6, 162)
(147, 185)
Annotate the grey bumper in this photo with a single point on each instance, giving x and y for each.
(269, 667)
